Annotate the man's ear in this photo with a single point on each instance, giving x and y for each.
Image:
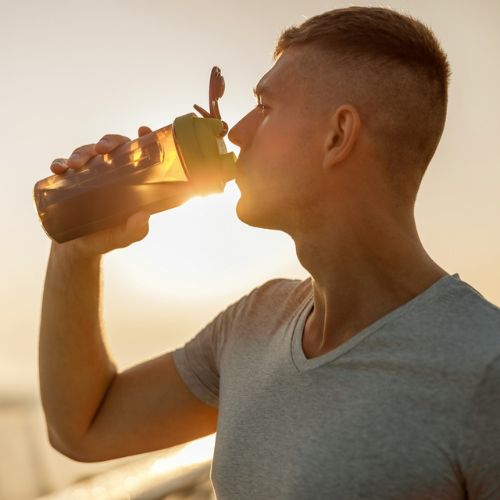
(344, 129)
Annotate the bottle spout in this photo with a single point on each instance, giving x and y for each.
(228, 166)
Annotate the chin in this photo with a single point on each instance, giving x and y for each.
(250, 215)
(245, 213)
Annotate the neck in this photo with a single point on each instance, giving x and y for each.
(362, 269)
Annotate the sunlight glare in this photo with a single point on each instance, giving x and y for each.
(194, 452)
(202, 249)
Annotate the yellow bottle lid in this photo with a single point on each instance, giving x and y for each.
(203, 153)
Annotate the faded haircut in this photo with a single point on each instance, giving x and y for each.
(394, 71)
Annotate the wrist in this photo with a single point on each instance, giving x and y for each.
(73, 250)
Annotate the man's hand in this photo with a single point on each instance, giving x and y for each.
(136, 227)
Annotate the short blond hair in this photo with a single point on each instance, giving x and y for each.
(381, 44)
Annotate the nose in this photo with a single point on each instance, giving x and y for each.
(234, 134)
(239, 134)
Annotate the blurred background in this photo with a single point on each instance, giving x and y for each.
(74, 71)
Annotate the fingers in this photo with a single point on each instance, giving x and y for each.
(109, 142)
(143, 130)
(80, 156)
(59, 166)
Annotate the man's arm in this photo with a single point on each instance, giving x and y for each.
(75, 368)
(94, 413)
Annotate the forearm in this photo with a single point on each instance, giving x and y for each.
(75, 368)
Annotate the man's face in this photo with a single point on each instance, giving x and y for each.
(279, 166)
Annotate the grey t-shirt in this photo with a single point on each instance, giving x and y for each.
(407, 409)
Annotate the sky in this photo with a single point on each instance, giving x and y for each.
(74, 71)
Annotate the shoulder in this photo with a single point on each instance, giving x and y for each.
(282, 290)
(466, 325)
(279, 294)
(469, 311)
(474, 301)
(272, 301)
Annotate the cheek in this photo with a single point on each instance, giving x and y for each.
(284, 156)
(278, 141)
(271, 136)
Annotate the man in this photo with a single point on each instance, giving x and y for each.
(375, 378)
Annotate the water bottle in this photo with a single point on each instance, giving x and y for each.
(155, 172)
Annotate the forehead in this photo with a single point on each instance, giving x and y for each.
(289, 75)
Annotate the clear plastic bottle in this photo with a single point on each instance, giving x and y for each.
(155, 172)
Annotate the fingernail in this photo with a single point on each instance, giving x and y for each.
(74, 157)
(103, 142)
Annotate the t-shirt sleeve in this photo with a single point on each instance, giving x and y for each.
(198, 362)
(480, 445)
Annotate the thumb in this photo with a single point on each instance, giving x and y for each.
(137, 221)
(135, 229)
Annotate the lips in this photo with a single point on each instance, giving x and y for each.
(239, 170)
(239, 162)
(240, 180)
(237, 180)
